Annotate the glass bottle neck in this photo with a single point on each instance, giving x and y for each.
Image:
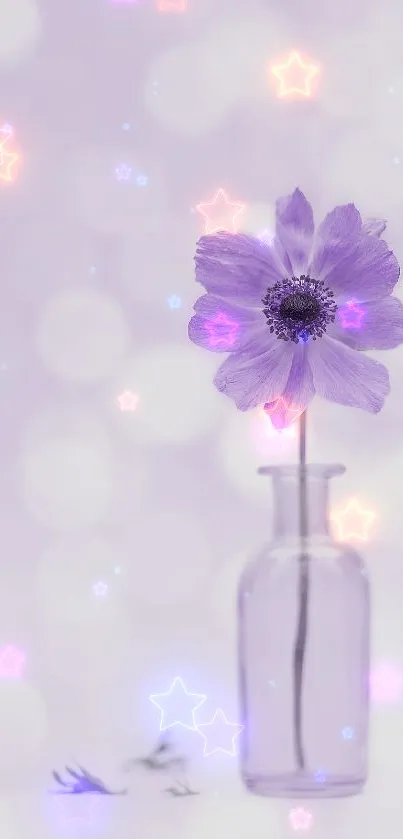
(288, 517)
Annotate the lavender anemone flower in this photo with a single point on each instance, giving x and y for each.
(295, 315)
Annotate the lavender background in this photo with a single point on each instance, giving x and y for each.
(125, 117)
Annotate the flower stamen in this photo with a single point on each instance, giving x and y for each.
(299, 308)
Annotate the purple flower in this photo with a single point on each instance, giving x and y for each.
(280, 310)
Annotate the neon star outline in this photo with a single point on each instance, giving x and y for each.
(206, 750)
(155, 696)
(269, 408)
(280, 70)
(367, 517)
(128, 401)
(300, 819)
(216, 339)
(220, 195)
(351, 307)
(100, 589)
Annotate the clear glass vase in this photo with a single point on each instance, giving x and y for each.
(305, 738)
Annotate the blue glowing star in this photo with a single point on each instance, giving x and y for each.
(320, 776)
(123, 172)
(347, 733)
(141, 180)
(174, 302)
(126, 126)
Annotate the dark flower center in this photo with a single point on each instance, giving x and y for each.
(299, 308)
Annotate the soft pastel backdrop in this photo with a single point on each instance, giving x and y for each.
(128, 486)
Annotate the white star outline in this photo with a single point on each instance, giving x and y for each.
(177, 681)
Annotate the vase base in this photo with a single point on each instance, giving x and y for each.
(296, 785)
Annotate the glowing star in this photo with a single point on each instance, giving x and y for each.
(128, 401)
(281, 414)
(386, 683)
(347, 733)
(123, 172)
(100, 589)
(222, 330)
(353, 522)
(220, 213)
(351, 315)
(175, 6)
(7, 162)
(220, 736)
(178, 706)
(320, 776)
(301, 819)
(295, 76)
(12, 661)
(141, 180)
(174, 302)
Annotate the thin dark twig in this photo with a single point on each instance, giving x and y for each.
(303, 592)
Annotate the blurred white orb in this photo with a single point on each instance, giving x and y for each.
(364, 172)
(172, 559)
(144, 266)
(23, 724)
(182, 92)
(8, 820)
(178, 402)
(76, 579)
(248, 441)
(82, 335)
(66, 482)
(19, 29)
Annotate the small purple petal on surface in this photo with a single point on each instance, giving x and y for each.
(379, 328)
(335, 240)
(237, 267)
(221, 326)
(374, 226)
(298, 392)
(343, 375)
(294, 229)
(370, 273)
(255, 377)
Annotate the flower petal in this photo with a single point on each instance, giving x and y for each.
(377, 325)
(343, 375)
(255, 377)
(374, 226)
(237, 267)
(335, 239)
(297, 394)
(294, 229)
(369, 273)
(221, 326)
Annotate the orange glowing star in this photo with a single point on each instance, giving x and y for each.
(7, 161)
(295, 76)
(220, 213)
(353, 522)
(128, 401)
(172, 6)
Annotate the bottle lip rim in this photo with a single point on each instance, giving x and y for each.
(315, 470)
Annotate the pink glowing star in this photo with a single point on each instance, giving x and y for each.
(220, 735)
(175, 6)
(220, 213)
(7, 162)
(222, 330)
(351, 315)
(301, 819)
(295, 76)
(282, 414)
(12, 661)
(386, 683)
(128, 401)
(178, 706)
(353, 523)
